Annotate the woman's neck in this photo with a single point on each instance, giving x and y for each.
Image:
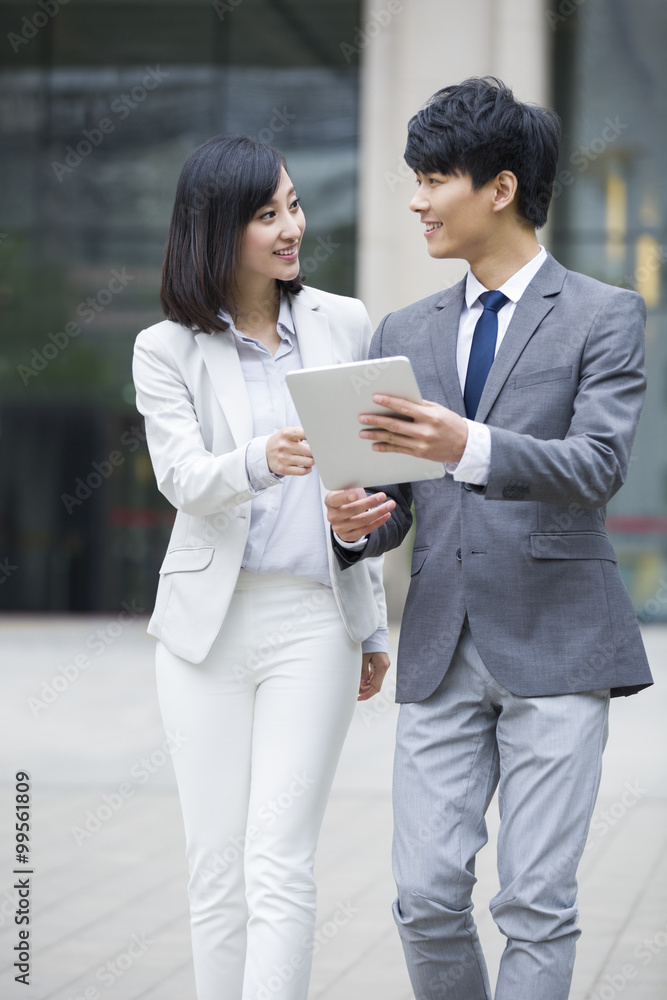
(256, 312)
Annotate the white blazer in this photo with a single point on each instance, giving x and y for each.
(191, 391)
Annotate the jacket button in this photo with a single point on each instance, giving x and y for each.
(466, 486)
(458, 555)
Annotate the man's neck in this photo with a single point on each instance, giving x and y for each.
(495, 266)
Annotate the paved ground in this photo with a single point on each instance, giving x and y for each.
(109, 911)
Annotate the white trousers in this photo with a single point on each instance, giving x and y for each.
(264, 718)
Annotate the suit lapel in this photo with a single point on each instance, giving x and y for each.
(316, 349)
(535, 303)
(444, 336)
(312, 330)
(224, 370)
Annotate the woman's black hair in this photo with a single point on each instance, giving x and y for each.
(479, 128)
(221, 187)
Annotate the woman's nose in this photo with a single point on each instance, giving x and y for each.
(292, 230)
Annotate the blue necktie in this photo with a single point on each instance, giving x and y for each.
(483, 350)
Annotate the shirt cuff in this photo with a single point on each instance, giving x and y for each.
(352, 546)
(257, 468)
(376, 643)
(475, 464)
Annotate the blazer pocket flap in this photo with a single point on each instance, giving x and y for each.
(187, 560)
(571, 545)
(546, 375)
(418, 557)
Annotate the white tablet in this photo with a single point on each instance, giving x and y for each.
(329, 401)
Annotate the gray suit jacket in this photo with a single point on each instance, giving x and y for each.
(527, 557)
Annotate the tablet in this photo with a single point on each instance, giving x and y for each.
(329, 401)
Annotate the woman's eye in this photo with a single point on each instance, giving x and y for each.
(296, 203)
(267, 215)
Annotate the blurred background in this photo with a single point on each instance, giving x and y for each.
(103, 100)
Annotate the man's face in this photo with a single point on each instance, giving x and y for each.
(457, 219)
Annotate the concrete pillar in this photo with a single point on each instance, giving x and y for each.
(411, 48)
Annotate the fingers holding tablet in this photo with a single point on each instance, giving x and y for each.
(288, 453)
(352, 513)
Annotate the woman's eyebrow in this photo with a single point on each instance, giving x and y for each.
(291, 191)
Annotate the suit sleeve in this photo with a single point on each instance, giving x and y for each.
(193, 480)
(392, 532)
(375, 565)
(590, 464)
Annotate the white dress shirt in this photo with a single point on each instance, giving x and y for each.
(287, 532)
(475, 464)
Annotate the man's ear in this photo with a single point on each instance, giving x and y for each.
(505, 187)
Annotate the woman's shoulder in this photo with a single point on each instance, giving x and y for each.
(166, 333)
(317, 298)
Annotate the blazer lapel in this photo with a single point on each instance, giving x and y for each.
(535, 303)
(312, 330)
(224, 369)
(444, 336)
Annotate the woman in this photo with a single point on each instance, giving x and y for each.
(259, 631)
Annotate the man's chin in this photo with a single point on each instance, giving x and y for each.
(441, 253)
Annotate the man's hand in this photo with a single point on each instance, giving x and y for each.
(433, 432)
(288, 453)
(352, 514)
(373, 668)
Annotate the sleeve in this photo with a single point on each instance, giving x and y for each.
(475, 463)
(588, 466)
(390, 534)
(259, 474)
(351, 546)
(193, 479)
(376, 643)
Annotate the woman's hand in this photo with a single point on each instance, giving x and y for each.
(352, 514)
(288, 453)
(373, 668)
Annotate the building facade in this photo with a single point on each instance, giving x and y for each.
(102, 101)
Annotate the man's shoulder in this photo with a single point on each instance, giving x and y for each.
(580, 288)
(426, 307)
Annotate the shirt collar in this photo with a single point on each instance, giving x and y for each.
(514, 287)
(285, 317)
(285, 323)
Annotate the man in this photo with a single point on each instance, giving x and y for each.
(517, 627)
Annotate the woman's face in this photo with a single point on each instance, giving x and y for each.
(269, 247)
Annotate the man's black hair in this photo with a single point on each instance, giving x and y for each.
(479, 128)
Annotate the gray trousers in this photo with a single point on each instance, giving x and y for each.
(453, 750)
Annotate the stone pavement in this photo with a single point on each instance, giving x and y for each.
(108, 893)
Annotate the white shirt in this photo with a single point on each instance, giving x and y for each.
(475, 464)
(287, 532)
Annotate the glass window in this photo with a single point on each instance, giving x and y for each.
(609, 220)
(101, 104)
